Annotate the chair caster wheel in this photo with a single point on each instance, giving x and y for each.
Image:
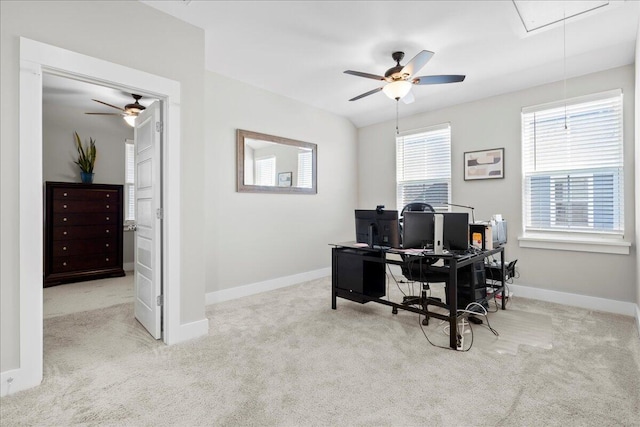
(425, 322)
(394, 310)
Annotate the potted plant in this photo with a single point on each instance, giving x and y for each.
(86, 159)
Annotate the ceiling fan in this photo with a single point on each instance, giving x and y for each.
(400, 78)
(129, 112)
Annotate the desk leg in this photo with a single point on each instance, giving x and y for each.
(334, 277)
(504, 288)
(453, 304)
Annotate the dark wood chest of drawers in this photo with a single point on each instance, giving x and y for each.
(83, 232)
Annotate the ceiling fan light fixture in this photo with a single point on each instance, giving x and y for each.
(130, 119)
(397, 90)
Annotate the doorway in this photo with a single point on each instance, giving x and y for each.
(96, 113)
(36, 58)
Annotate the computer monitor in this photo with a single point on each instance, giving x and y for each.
(377, 227)
(455, 234)
(417, 230)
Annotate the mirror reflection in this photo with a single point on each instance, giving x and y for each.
(268, 163)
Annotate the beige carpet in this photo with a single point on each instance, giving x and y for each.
(84, 296)
(285, 358)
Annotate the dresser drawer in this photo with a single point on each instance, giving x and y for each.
(85, 194)
(84, 232)
(64, 206)
(84, 247)
(62, 264)
(73, 219)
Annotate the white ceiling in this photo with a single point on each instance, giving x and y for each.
(80, 95)
(300, 49)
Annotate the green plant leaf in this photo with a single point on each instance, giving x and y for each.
(86, 157)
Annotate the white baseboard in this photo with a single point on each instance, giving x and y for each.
(16, 380)
(575, 300)
(193, 330)
(267, 285)
(128, 266)
(638, 319)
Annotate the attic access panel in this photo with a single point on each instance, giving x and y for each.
(536, 14)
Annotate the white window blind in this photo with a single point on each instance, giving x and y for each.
(304, 169)
(129, 182)
(423, 167)
(573, 165)
(266, 171)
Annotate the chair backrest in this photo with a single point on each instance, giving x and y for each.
(417, 207)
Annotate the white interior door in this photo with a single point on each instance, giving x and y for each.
(148, 243)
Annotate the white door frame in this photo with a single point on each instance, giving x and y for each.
(36, 58)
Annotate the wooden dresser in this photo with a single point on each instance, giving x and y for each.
(83, 232)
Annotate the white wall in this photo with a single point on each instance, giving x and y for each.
(637, 175)
(495, 122)
(252, 237)
(169, 48)
(59, 150)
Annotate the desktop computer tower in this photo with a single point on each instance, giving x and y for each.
(471, 285)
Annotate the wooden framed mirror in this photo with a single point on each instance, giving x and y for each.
(273, 164)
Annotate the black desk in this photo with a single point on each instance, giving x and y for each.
(358, 274)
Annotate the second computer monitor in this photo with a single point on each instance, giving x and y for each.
(417, 230)
(455, 235)
(377, 228)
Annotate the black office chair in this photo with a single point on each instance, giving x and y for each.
(417, 269)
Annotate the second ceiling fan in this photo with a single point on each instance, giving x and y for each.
(129, 112)
(401, 78)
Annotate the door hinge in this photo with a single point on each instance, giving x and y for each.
(159, 300)
(159, 213)
(159, 126)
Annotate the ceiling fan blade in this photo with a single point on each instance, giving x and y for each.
(367, 75)
(109, 105)
(371, 92)
(436, 80)
(105, 114)
(408, 98)
(417, 63)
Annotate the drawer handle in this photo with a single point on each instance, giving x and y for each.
(107, 218)
(107, 259)
(64, 232)
(107, 245)
(65, 194)
(108, 195)
(64, 206)
(64, 263)
(64, 219)
(107, 206)
(107, 231)
(64, 248)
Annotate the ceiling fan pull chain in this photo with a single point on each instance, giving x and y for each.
(397, 131)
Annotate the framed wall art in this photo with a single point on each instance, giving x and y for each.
(284, 179)
(484, 164)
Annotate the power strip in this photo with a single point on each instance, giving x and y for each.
(499, 295)
(460, 341)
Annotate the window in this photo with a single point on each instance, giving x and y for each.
(129, 182)
(304, 169)
(266, 171)
(573, 166)
(423, 167)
